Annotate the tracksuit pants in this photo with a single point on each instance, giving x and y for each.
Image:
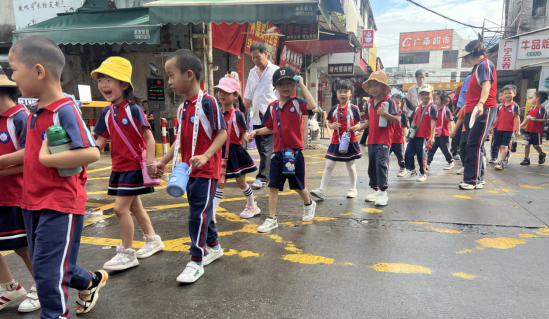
(378, 165)
(200, 193)
(54, 240)
(474, 168)
(364, 138)
(416, 146)
(456, 141)
(398, 149)
(494, 149)
(442, 142)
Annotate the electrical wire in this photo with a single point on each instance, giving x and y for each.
(445, 17)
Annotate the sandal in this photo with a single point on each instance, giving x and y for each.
(100, 277)
(257, 184)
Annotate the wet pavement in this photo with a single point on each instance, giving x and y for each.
(434, 252)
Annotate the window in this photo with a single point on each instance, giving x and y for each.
(449, 59)
(538, 8)
(453, 76)
(413, 58)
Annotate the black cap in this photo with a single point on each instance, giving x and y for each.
(281, 74)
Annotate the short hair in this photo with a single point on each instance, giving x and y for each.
(500, 91)
(186, 60)
(12, 93)
(347, 84)
(37, 49)
(509, 87)
(444, 98)
(419, 72)
(542, 96)
(258, 46)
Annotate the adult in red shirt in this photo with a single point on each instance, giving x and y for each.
(534, 121)
(481, 98)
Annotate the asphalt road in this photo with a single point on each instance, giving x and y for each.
(434, 252)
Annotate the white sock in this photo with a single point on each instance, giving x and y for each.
(351, 167)
(217, 199)
(249, 193)
(327, 174)
(10, 286)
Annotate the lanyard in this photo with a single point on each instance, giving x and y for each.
(278, 124)
(198, 107)
(422, 111)
(443, 111)
(348, 117)
(539, 109)
(229, 125)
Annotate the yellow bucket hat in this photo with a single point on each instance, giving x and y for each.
(117, 68)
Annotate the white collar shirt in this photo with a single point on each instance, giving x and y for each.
(260, 91)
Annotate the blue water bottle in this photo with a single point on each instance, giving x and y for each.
(177, 184)
(344, 143)
(382, 120)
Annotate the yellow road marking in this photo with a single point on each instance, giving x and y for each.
(347, 214)
(419, 223)
(531, 186)
(500, 243)
(527, 236)
(99, 169)
(493, 192)
(308, 259)
(444, 230)
(371, 210)
(401, 268)
(461, 196)
(93, 220)
(463, 275)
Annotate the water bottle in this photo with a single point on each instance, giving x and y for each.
(177, 184)
(382, 120)
(344, 143)
(59, 141)
(296, 79)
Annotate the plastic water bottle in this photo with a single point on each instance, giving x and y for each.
(177, 184)
(344, 143)
(382, 120)
(59, 141)
(296, 79)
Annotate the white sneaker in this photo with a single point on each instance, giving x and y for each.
(460, 172)
(268, 225)
(31, 302)
(318, 193)
(352, 193)
(470, 186)
(449, 166)
(422, 178)
(250, 211)
(410, 174)
(212, 255)
(8, 298)
(500, 166)
(401, 172)
(382, 198)
(372, 196)
(492, 161)
(309, 211)
(124, 259)
(191, 273)
(152, 245)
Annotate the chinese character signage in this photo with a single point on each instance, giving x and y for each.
(340, 69)
(305, 11)
(426, 41)
(301, 32)
(291, 60)
(372, 58)
(367, 38)
(533, 47)
(29, 12)
(507, 54)
(324, 85)
(256, 33)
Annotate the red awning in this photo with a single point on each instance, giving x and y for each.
(320, 47)
(229, 37)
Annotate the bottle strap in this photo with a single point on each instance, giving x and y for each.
(278, 124)
(119, 131)
(198, 108)
(229, 126)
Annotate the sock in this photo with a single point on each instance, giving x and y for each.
(249, 193)
(351, 168)
(10, 286)
(310, 202)
(217, 199)
(327, 174)
(216, 247)
(196, 260)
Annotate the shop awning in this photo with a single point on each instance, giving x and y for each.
(218, 11)
(100, 26)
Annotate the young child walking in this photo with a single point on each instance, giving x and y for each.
(126, 125)
(400, 131)
(283, 117)
(200, 149)
(424, 120)
(344, 120)
(13, 131)
(380, 113)
(534, 122)
(53, 206)
(508, 123)
(443, 126)
(238, 162)
(494, 149)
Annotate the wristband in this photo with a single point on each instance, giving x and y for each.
(479, 102)
(150, 164)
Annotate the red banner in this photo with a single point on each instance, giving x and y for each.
(256, 33)
(228, 37)
(426, 41)
(367, 38)
(291, 59)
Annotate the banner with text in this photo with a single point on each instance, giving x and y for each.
(426, 41)
(291, 60)
(256, 33)
(301, 32)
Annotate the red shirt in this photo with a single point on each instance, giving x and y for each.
(444, 116)
(398, 137)
(238, 128)
(43, 187)
(430, 113)
(339, 114)
(483, 71)
(539, 113)
(131, 121)
(210, 122)
(290, 123)
(13, 132)
(380, 135)
(497, 123)
(507, 117)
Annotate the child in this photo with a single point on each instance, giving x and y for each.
(379, 141)
(444, 125)
(184, 69)
(53, 206)
(239, 163)
(343, 118)
(400, 130)
(424, 117)
(508, 122)
(283, 117)
(127, 127)
(494, 148)
(534, 122)
(13, 130)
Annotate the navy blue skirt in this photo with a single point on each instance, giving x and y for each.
(353, 153)
(239, 163)
(128, 183)
(12, 228)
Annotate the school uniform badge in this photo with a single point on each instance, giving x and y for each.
(125, 121)
(292, 109)
(4, 137)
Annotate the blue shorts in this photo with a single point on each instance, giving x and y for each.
(277, 179)
(13, 235)
(535, 138)
(502, 138)
(128, 183)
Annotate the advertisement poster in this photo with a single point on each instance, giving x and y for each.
(367, 39)
(301, 32)
(291, 60)
(256, 33)
(426, 41)
(29, 12)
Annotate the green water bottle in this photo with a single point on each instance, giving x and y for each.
(59, 141)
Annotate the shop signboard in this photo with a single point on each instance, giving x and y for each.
(341, 69)
(533, 47)
(324, 85)
(291, 60)
(256, 33)
(426, 40)
(301, 32)
(367, 38)
(507, 54)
